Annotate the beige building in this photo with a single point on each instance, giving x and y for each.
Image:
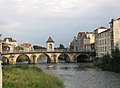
(8, 44)
(106, 39)
(115, 25)
(99, 32)
(103, 41)
(26, 47)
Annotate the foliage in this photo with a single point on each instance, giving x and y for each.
(71, 47)
(115, 63)
(38, 47)
(103, 62)
(61, 46)
(28, 77)
(22, 59)
(19, 48)
(109, 62)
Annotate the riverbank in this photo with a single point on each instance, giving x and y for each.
(109, 62)
(28, 77)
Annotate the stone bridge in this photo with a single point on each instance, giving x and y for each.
(52, 57)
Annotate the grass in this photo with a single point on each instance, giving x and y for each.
(28, 77)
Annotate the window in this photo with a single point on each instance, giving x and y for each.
(105, 48)
(50, 46)
(105, 41)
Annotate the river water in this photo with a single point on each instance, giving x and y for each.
(82, 75)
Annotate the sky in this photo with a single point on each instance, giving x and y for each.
(33, 21)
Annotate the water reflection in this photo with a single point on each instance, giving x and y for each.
(51, 67)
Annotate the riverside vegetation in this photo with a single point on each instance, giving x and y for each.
(29, 77)
(109, 62)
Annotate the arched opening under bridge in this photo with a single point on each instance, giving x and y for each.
(5, 60)
(63, 57)
(82, 58)
(43, 58)
(22, 59)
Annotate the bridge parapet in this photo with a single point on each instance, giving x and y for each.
(44, 51)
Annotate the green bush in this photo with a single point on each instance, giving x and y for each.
(109, 62)
(103, 62)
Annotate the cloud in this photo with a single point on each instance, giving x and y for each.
(60, 8)
(35, 19)
(8, 25)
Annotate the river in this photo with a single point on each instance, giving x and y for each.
(82, 75)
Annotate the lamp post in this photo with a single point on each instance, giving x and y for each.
(0, 71)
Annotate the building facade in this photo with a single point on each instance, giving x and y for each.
(26, 47)
(83, 41)
(115, 25)
(106, 39)
(8, 44)
(103, 41)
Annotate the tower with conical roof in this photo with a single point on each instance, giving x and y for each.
(50, 44)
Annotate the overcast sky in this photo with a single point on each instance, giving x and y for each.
(33, 21)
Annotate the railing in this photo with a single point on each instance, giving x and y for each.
(43, 50)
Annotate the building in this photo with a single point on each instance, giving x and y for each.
(8, 44)
(50, 44)
(103, 41)
(26, 47)
(99, 39)
(106, 39)
(83, 42)
(74, 45)
(115, 25)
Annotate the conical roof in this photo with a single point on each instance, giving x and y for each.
(50, 40)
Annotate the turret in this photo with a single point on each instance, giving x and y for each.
(50, 44)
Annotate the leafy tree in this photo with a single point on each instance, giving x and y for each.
(61, 46)
(19, 48)
(103, 62)
(109, 62)
(71, 47)
(115, 63)
(38, 47)
(116, 55)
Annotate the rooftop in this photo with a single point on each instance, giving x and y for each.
(50, 40)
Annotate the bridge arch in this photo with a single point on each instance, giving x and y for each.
(23, 58)
(44, 58)
(64, 57)
(5, 60)
(83, 58)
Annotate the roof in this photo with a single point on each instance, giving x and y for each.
(27, 45)
(106, 31)
(102, 27)
(10, 40)
(50, 40)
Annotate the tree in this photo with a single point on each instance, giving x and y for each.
(71, 47)
(61, 46)
(19, 48)
(36, 47)
(115, 63)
